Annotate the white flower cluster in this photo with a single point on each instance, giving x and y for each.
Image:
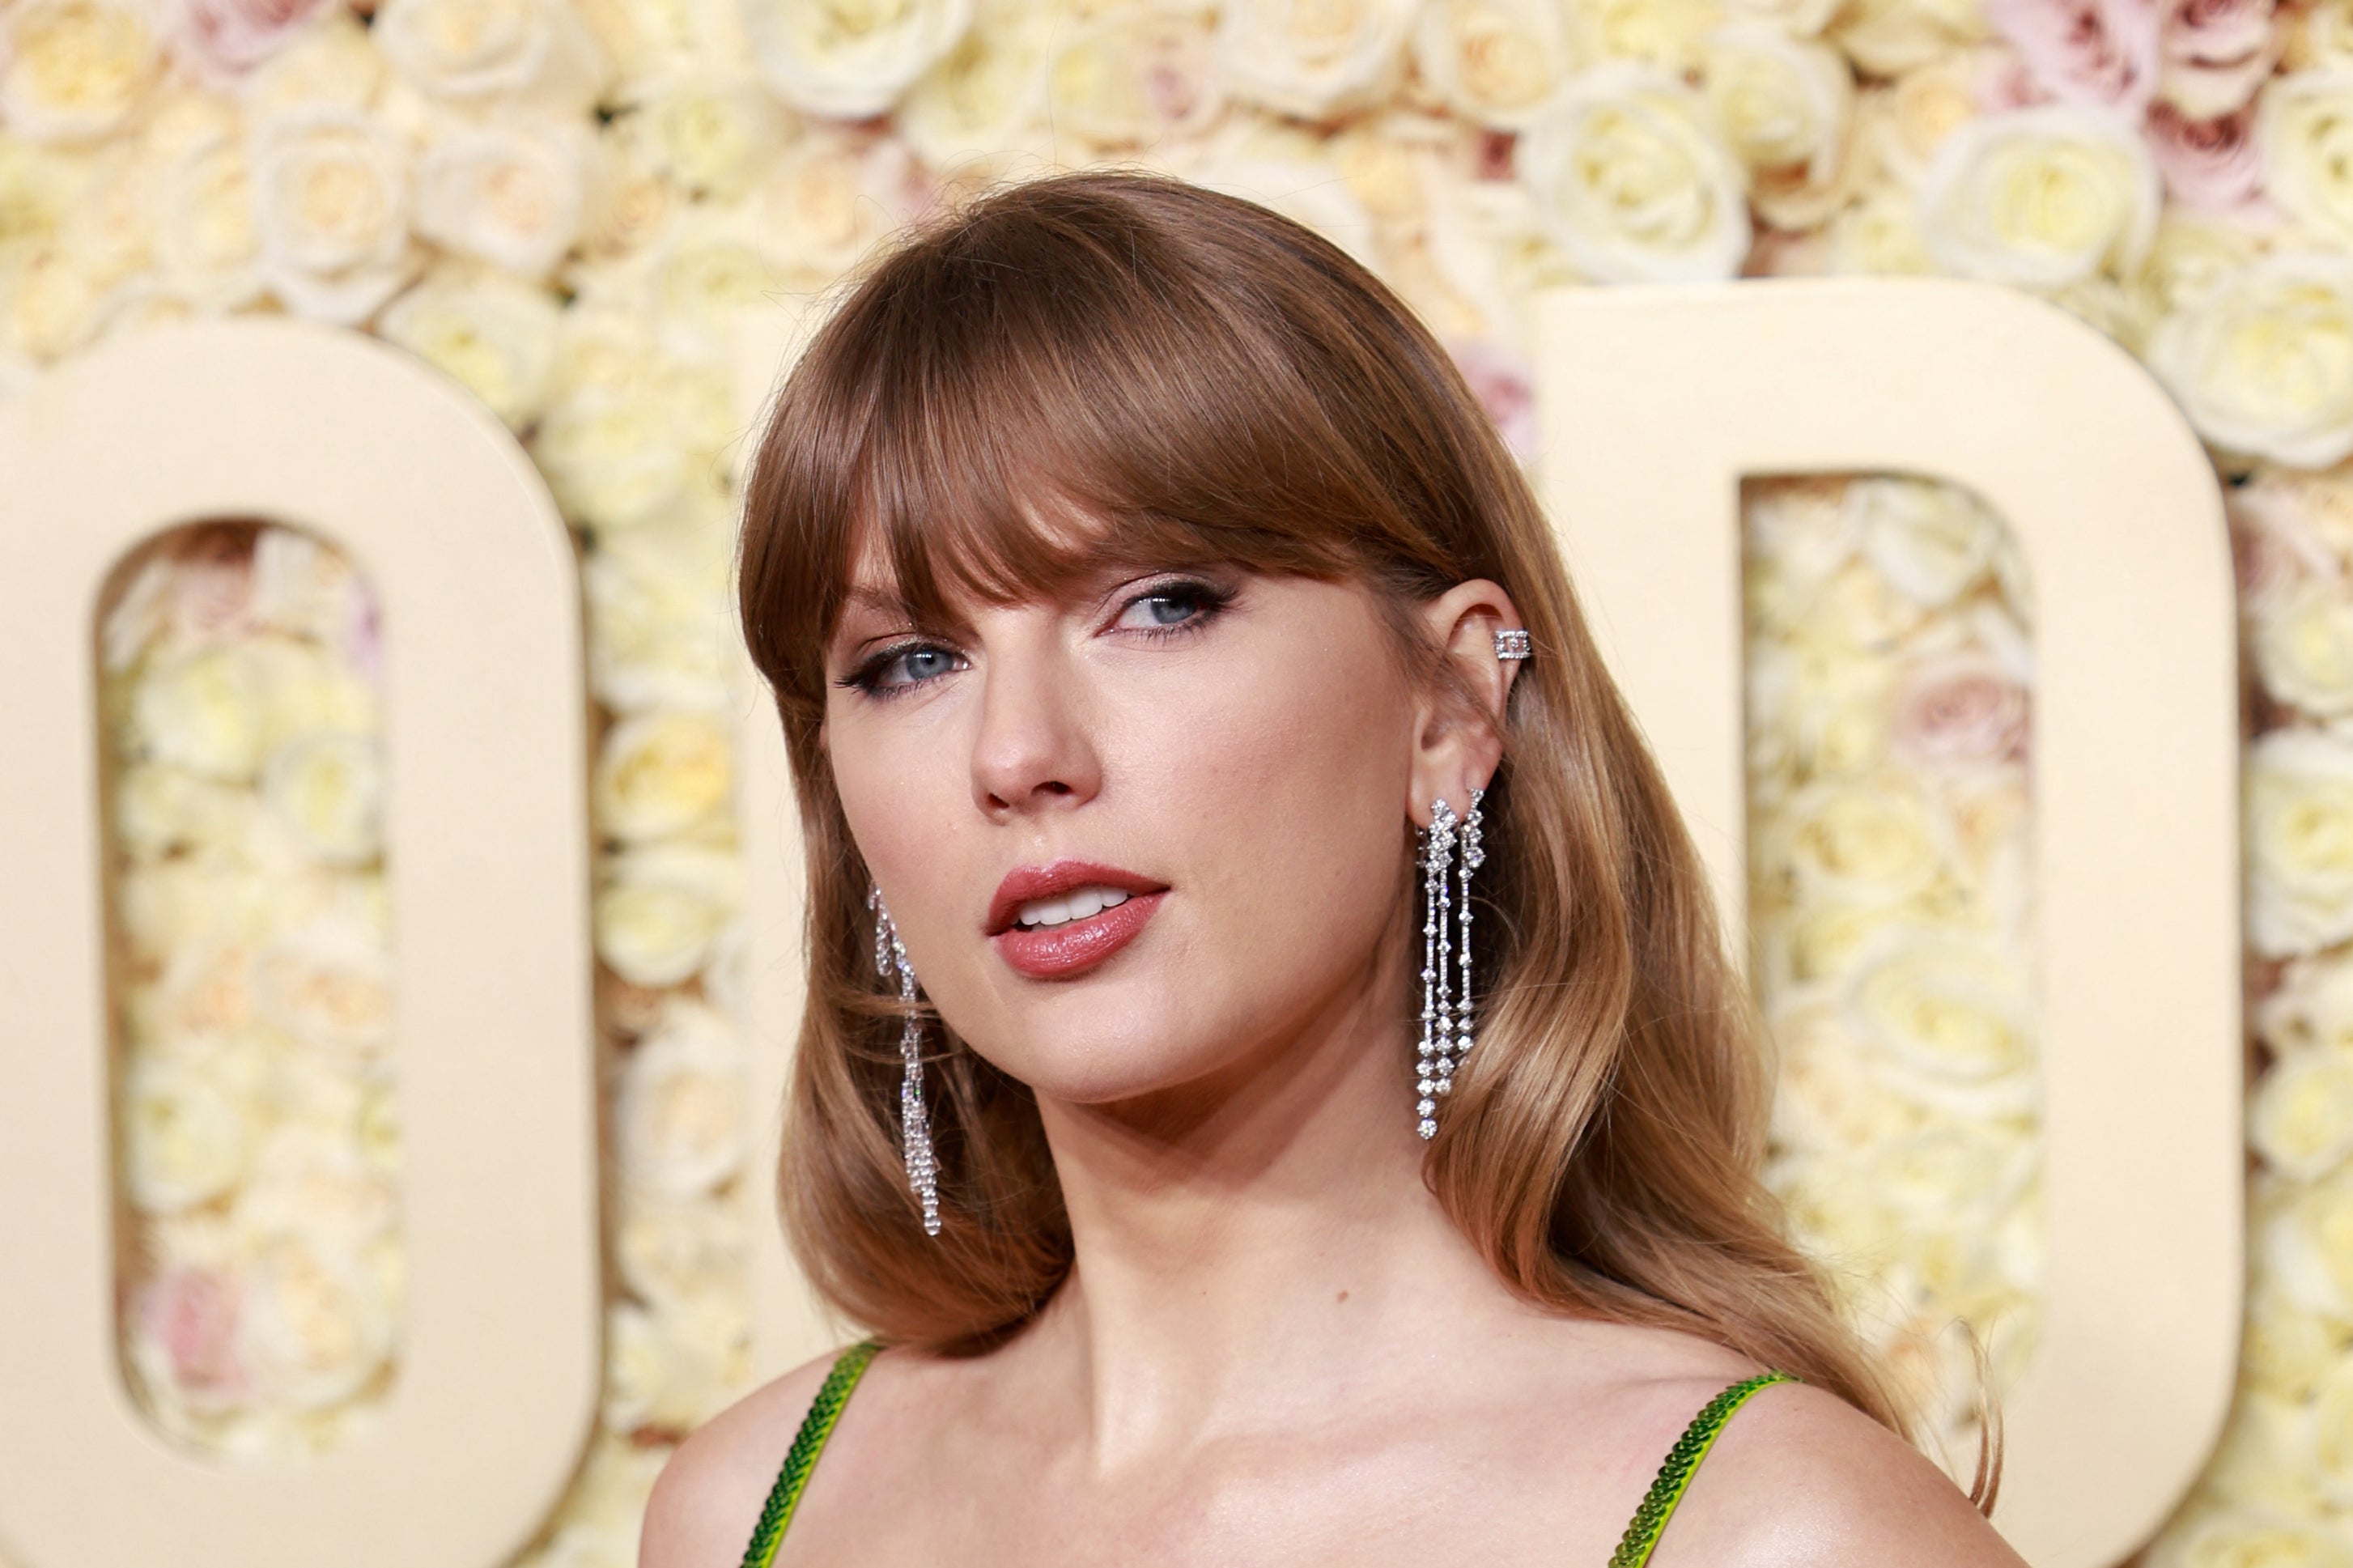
(564, 207)
(1889, 686)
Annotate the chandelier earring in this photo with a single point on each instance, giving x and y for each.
(914, 1120)
(1450, 850)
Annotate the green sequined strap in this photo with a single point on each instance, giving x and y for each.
(824, 1411)
(1643, 1536)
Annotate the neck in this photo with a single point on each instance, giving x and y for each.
(1243, 1247)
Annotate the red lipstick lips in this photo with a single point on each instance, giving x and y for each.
(1054, 952)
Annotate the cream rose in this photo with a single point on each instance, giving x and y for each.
(676, 1252)
(1662, 33)
(333, 61)
(510, 193)
(2306, 1247)
(311, 1181)
(679, 1121)
(1952, 1013)
(660, 773)
(1785, 105)
(1633, 182)
(185, 1136)
(2191, 255)
(221, 40)
(2303, 647)
(2312, 1008)
(1868, 840)
(661, 635)
(1496, 62)
(316, 1328)
(2304, 125)
(494, 335)
(1136, 80)
(983, 107)
(709, 134)
(2040, 198)
(330, 201)
(1826, 1097)
(2299, 830)
(2332, 1445)
(329, 790)
(539, 53)
(1313, 58)
(160, 809)
(73, 70)
(203, 711)
(661, 909)
(850, 58)
(2301, 1120)
(612, 455)
(2265, 1461)
(2285, 1348)
(207, 248)
(2262, 363)
(1888, 38)
(329, 985)
(1933, 541)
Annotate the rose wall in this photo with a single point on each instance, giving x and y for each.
(567, 205)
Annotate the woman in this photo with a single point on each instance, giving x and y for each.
(1144, 597)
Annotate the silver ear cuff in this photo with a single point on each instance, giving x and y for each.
(1446, 1018)
(1513, 644)
(914, 1120)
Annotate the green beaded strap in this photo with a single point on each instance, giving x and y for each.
(824, 1411)
(1642, 1537)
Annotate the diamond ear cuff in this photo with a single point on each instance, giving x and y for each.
(1513, 644)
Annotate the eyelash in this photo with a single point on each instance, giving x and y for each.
(1210, 598)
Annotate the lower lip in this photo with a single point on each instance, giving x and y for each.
(1051, 952)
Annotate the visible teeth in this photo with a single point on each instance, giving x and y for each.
(1075, 904)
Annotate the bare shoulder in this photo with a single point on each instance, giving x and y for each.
(708, 1499)
(1798, 1477)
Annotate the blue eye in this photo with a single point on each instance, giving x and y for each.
(895, 670)
(1171, 605)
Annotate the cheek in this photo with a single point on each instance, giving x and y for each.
(896, 789)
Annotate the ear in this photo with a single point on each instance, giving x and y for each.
(1456, 749)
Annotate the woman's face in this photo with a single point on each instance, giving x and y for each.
(1140, 835)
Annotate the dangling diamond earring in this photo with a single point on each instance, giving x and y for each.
(915, 1121)
(1446, 1016)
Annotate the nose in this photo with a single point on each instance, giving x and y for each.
(1035, 748)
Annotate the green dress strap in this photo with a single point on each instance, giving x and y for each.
(1642, 1537)
(818, 1426)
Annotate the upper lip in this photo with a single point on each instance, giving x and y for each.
(1026, 883)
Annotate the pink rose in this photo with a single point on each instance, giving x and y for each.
(191, 1315)
(2277, 542)
(2100, 52)
(2216, 54)
(223, 40)
(2210, 166)
(1506, 388)
(1960, 708)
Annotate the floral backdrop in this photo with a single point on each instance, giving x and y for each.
(566, 204)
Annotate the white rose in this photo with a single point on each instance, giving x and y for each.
(711, 134)
(1633, 182)
(1496, 62)
(2299, 830)
(850, 58)
(2301, 1120)
(1899, 125)
(72, 70)
(334, 60)
(1798, 19)
(1136, 80)
(2304, 646)
(1969, 1172)
(509, 193)
(495, 335)
(613, 457)
(1888, 38)
(661, 909)
(316, 1327)
(2263, 364)
(330, 201)
(2040, 198)
(2190, 255)
(328, 788)
(1952, 1013)
(660, 634)
(2307, 1246)
(310, 1180)
(1880, 236)
(1313, 58)
(1785, 105)
(825, 200)
(985, 102)
(1826, 1097)
(674, 1254)
(207, 248)
(328, 984)
(665, 1370)
(2303, 126)
(186, 1138)
(161, 810)
(704, 275)
(1933, 541)
(678, 1117)
(2265, 1461)
(202, 710)
(2332, 1447)
(660, 773)
(1869, 839)
(2286, 1347)
(1662, 33)
(534, 52)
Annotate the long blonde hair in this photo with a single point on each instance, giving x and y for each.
(1201, 379)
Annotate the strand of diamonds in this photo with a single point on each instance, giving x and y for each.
(1436, 1010)
(1473, 857)
(914, 1120)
